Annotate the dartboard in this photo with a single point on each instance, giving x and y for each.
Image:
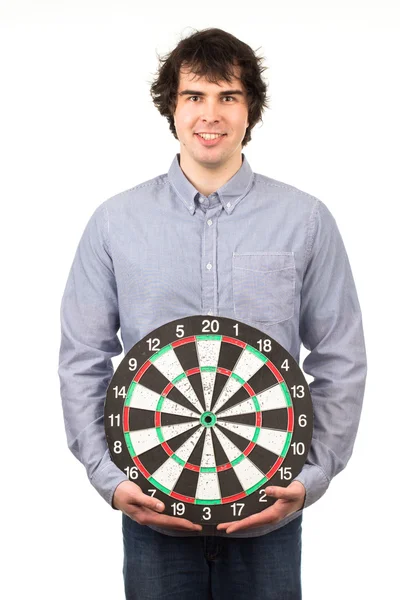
(204, 414)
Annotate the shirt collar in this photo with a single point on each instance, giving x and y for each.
(230, 193)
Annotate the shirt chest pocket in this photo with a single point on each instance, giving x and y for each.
(263, 286)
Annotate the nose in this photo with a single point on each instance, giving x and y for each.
(211, 111)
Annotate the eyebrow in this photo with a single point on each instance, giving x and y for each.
(198, 93)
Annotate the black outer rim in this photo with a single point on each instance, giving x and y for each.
(193, 326)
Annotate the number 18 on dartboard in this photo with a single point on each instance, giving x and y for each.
(204, 414)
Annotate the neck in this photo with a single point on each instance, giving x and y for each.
(209, 178)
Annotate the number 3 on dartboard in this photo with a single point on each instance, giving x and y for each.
(206, 513)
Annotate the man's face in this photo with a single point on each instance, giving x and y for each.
(204, 107)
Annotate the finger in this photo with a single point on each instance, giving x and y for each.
(141, 500)
(152, 518)
(283, 493)
(145, 516)
(273, 514)
(255, 518)
(252, 520)
(225, 525)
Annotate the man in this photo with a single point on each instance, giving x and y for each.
(211, 237)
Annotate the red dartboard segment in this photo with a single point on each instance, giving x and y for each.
(249, 448)
(275, 371)
(274, 469)
(167, 449)
(191, 467)
(230, 340)
(141, 467)
(234, 498)
(126, 418)
(190, 372)
(157, 419)
(212, 421)
(223, 371)
(182, 497)
(290, 418)
(224, 467)
(141, 371)
(188, 340)
(167, 389)
(249, 389)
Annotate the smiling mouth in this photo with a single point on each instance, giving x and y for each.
(214, 136)
(210, 142)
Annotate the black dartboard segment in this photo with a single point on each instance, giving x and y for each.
(204, 414)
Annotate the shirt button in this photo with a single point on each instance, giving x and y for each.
(201, 200)
(228, 204)
(209, 266)
(210, 312)
(209, 222)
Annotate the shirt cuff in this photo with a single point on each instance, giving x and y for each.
(315, 482)
(106, 480)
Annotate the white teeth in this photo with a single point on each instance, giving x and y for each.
(210, 136)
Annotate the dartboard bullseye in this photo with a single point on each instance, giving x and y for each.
(204, 414)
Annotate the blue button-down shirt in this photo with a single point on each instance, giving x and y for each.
(257, 250)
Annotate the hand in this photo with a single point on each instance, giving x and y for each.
(129, 498)
(289, 500)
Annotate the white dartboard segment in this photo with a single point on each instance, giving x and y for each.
(269, 399)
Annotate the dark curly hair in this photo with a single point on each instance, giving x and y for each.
(211, 53)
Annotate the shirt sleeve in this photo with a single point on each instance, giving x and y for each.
(331, 329)
(89, 326)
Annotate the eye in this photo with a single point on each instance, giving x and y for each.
(224, 97)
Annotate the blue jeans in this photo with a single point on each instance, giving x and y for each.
(162, 567)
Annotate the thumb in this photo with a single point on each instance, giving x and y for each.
(283, 493)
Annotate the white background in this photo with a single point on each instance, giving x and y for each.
(77, 127)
